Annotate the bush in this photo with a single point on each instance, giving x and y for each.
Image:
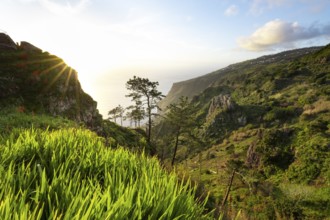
(275, 150)
(281, 113)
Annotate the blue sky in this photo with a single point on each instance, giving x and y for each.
(108, 42)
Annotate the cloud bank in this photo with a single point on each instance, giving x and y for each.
(277, 33)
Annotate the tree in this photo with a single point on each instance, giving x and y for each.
(135, 114)
(117, 112)
(182, 117)
(145, 92)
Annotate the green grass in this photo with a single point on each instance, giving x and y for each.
(70, 174)
(11, 118)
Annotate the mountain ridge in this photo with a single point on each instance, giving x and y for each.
(266, 123)
(194, 86)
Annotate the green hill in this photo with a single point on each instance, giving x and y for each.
(60, 160)
(195, 86)
(258, 140)
(268, 120)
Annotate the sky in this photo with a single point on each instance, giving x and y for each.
(109, 41)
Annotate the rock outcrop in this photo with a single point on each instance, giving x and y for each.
(223, 102)
(6, 43)
(39, 82)
(29, 47)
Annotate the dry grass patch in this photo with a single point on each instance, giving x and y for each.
(317, 107)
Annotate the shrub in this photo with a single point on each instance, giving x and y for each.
(281, 113)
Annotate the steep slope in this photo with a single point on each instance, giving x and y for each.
(36, 83)
(39, 82)
(267, 121)
(71, 174)
(194, 86)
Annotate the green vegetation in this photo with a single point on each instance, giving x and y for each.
(40, 83)
(12, 118)
(145, 93)
(70, 174)
(181, 119)
(267, 119)
(117, 112)
(52, 167)
(255, 135)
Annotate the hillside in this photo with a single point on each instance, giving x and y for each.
(70, 174)
(256, 135)
(60, 160)
(34, 82)
(194, 86)
(267, 123)
(39, 82)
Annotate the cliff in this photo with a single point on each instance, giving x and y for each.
(38, 82)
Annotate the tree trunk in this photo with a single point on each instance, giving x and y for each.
(175, 146)
(152, 148)
(228, 190)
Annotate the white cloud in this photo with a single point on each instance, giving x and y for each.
(231, 11)
(278, 33)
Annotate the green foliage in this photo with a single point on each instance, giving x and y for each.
(312, 151)
(275, 150)
(136, 113)
(284, 99)
(281, 113)
(11, 118)
(145, 93)
(182, 117)
(117, 112)
(133, 139)
(70, 174)
(302, 201)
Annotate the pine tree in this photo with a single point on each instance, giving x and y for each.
(182, 117)
(145, 92)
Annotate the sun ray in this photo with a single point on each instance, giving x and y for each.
(52, 67)
(77, 92)
(43, 60)
(68, 79)
(56, 77)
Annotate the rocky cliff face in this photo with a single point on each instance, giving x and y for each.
(222, 101)
(38, 82)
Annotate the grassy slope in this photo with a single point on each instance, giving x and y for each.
(70, 174)
(282, 153)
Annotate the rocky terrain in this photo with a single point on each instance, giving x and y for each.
(39, 82)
